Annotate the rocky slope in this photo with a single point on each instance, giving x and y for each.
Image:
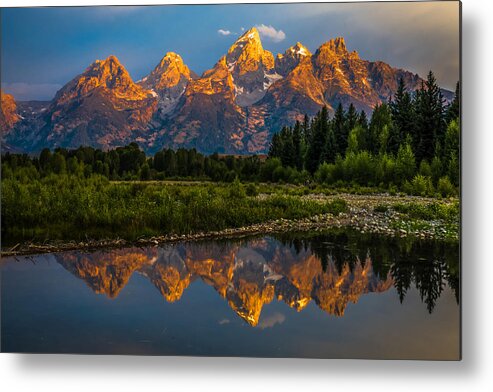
(251, 67)
(232, 108)
(207, 117)
(8, 119)
(168, 80)
(102, 107)
(8, 113)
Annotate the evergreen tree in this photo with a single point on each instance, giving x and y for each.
(436, 169)
(306, 130)
(381, 129)
(430, 130)
(402, 116)
(113, 159)
(453, 110)
(74, 167)
(340, 131)
(405, 162)
(44, 159)
(182, 162)
(363, 120)
(58, 164)
(452, 151)
(159, 161)
(352, 145)
(351, 118)
(145, 172)
(298, 147)
(288, 150)
(364, 127)
(452, 140)
(317, 149)
(275, 149)
(330, 151)
(169, 163)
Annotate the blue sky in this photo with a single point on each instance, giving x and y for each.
(43, 48)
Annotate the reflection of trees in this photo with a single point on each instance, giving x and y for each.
(429, 279)
(428, 265)
(453, 269)
(401, 272)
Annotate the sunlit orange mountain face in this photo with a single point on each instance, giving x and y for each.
(247, 276)
(234, 107)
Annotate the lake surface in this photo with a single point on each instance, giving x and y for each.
(331, 295)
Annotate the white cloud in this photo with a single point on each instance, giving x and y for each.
(271, 33)
(224, 32)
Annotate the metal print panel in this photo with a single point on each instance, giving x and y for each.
(266, 180)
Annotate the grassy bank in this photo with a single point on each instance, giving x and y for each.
(69, 208)
(65, 207)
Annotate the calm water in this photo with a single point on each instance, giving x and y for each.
(333, 295)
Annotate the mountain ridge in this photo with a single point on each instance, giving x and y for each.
(234, 107)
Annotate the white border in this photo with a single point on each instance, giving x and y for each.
(120, 373)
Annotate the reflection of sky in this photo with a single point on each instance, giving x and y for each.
(43, 48)
(70, 317)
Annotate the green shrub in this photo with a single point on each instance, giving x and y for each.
(337, 206)
(405, 163)
(425, 168)
(421, 186)
(324, 173)
(433, 211)
(236, 190)
(268, 168)
(445, 187)
(251, 190)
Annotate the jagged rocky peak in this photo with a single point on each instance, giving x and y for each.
(344, 76)
(110, 72)
(168, 80)
(171, 59)
(252, 68)
(299, 50)
(170, 71)
(337, 45)
(217, 80)
(287, 61)
(102, 107)
(247, 52)
(335, 49)
(109, 75)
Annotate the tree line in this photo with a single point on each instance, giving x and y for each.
(411, 142)
(131, 163)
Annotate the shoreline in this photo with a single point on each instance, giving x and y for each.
(361, 217)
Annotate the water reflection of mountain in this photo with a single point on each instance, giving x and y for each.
(332, 270)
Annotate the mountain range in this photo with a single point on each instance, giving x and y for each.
(233, 108)
(247, 277)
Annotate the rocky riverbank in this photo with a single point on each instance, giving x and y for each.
(380, 214)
